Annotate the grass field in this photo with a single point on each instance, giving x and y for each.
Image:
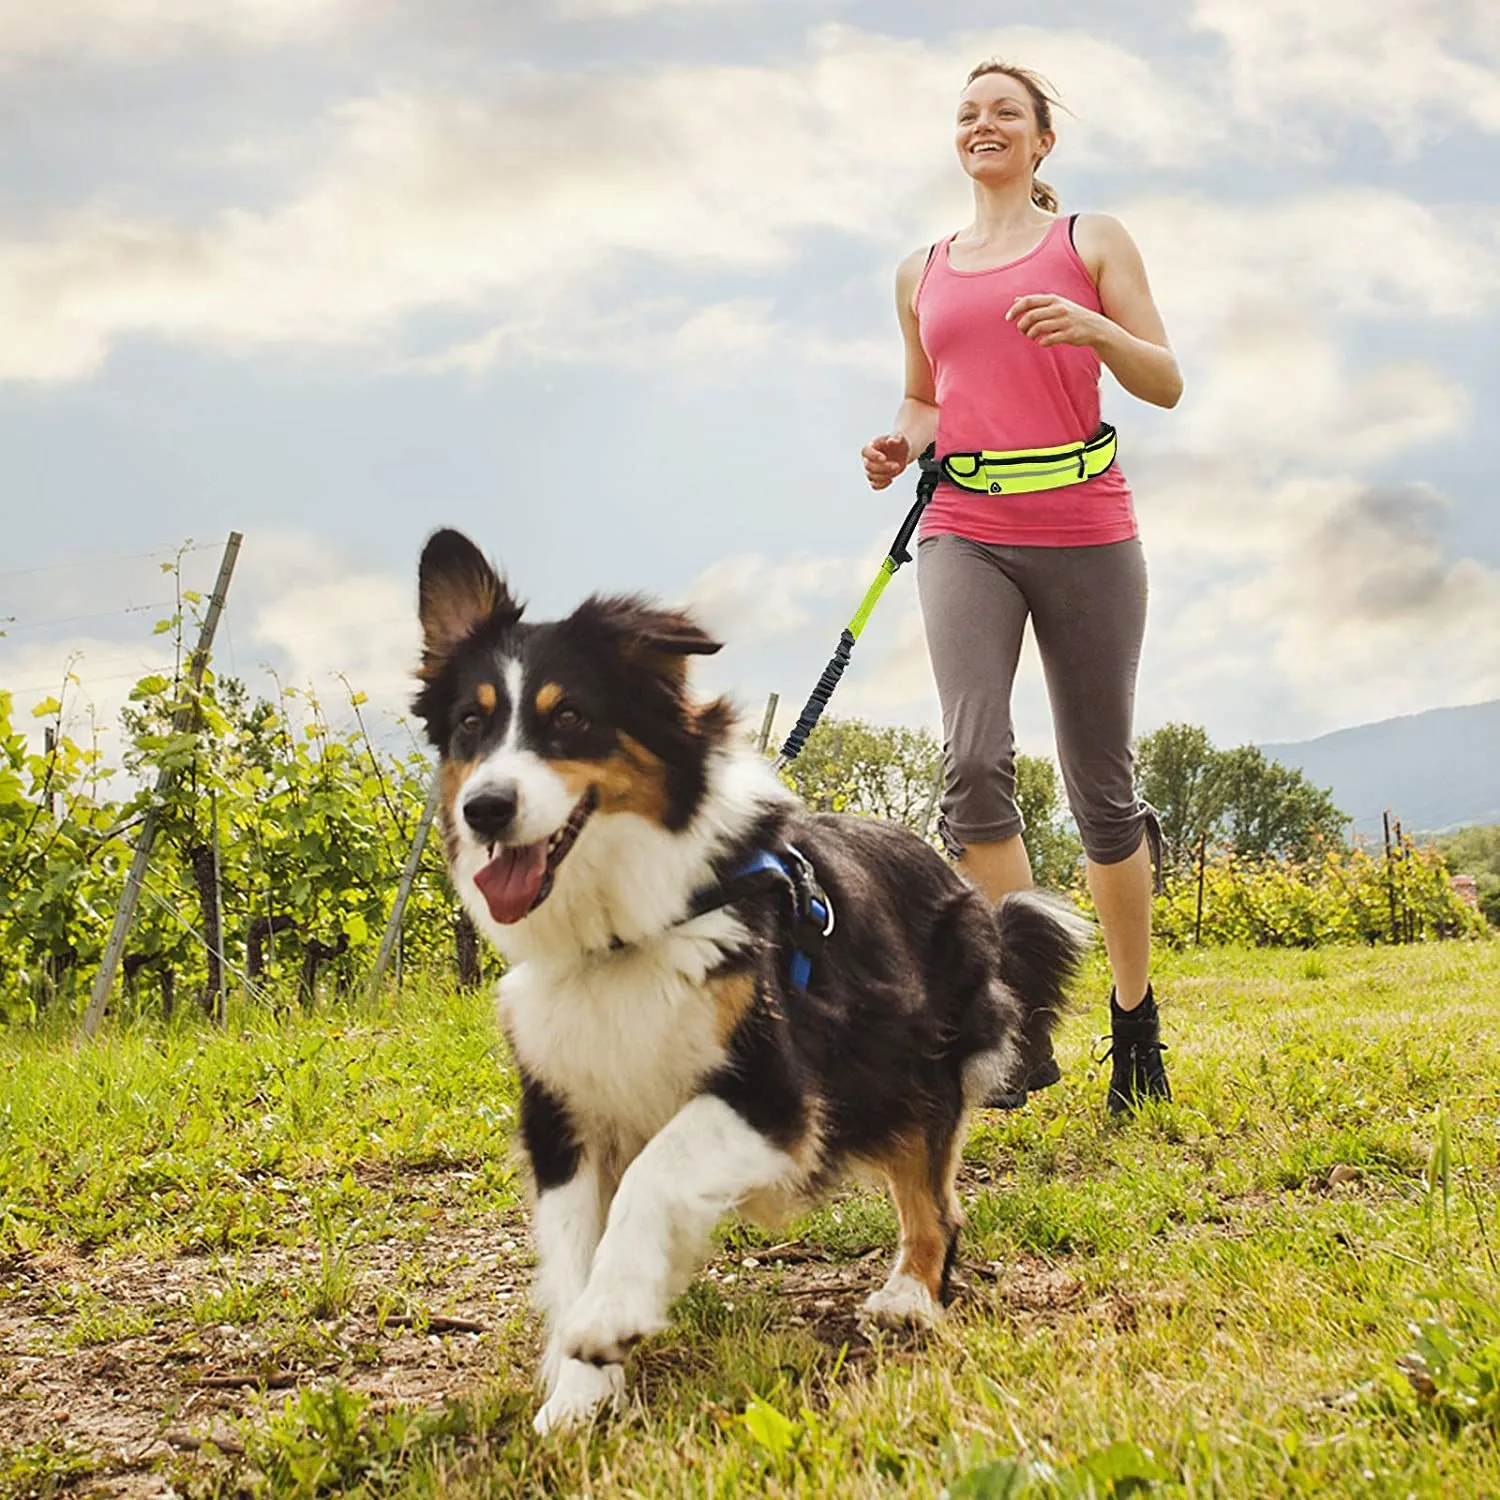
(292, 1259)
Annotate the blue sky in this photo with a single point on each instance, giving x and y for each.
(608, 283)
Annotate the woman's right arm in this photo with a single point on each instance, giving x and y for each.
(917, 416)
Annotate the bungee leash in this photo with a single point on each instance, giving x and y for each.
(812, 710)
(1009, 472)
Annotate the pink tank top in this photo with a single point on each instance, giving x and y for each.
(998, 390)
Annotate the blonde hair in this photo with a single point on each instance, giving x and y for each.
(1043, 97)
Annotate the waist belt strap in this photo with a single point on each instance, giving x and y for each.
(1024, 471)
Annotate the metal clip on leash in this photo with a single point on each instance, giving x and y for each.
(812, 710)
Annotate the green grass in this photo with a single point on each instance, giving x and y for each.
(1283, 1283)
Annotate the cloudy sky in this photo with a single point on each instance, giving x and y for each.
(608, 283)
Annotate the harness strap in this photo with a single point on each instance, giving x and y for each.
(809, 912)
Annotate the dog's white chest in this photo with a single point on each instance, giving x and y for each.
(623, 1039)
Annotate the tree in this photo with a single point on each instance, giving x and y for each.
(891, 772)
(1269, 810)
(1258, 807)
(850, 766)
(1175, 770)
(1476, 852)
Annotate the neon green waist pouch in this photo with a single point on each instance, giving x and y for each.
(1026, 470)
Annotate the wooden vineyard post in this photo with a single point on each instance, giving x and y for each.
(1390, 877)
(1198, 917)
(767, 722)
(1403, 856)
(403, 890)
(183, 720)
(932, 800)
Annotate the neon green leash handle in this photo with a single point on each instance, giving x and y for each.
(817, 701)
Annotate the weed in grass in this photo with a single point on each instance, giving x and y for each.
(850, 1226)
(1116, 1472)
(236, 1301)
(38, 1471)
(108, 1323)
(330, 1292)
(326, 1441)
(1453, 1366)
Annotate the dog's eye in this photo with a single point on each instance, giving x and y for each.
(471, 722)
(567, 717)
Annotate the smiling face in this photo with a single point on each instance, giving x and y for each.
(542, 728)
(997, 136)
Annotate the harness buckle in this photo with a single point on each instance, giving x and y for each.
(813, 915)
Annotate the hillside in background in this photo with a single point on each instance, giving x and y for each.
(1435, 771)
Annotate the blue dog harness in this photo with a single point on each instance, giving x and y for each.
(807, 910)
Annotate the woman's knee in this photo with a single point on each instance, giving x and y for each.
(1111, 832)
(979, 802)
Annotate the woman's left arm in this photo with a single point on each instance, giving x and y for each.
(1128, 334)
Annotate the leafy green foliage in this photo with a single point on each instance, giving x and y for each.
(896, 773)
(1255, 807)
(39, 1471)
(1335, 897)
(1453, 1365)
(280, 841)
(1476, 852)
(1120, 1470)
(330, 1441)
(1051, 844)
(880, 770)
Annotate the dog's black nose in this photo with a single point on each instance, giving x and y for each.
(491, 813)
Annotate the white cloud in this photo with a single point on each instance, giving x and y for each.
(1348, 252)
(1287, 600)
(414, 201)
(1327, 602)
(588, 10)
(1409, 68)
(1279, 389)
(753, 598)
(712, 338)
(91, 677)
(119, 30)
(361, 626)
(1257, 299)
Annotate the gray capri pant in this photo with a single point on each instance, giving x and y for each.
(1088, 609)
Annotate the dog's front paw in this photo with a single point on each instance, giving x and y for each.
(903, 1302)
(582, 1392)
(607, 1320)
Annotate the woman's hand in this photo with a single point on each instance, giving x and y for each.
(1049, 319)
(885, 457)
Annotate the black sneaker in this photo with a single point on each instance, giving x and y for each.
(1135, 1048)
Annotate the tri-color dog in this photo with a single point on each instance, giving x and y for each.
(716, 1000)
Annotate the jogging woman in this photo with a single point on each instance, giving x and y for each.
(1006, 325)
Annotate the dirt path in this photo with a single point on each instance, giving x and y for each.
(112, 1360)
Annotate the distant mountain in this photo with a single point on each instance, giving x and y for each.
(1435, 771)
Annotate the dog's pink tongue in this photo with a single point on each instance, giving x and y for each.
(511, 880)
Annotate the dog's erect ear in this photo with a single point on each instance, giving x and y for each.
(644, 630)
(457, 593)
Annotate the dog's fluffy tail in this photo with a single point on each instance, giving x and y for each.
(1044, 940)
